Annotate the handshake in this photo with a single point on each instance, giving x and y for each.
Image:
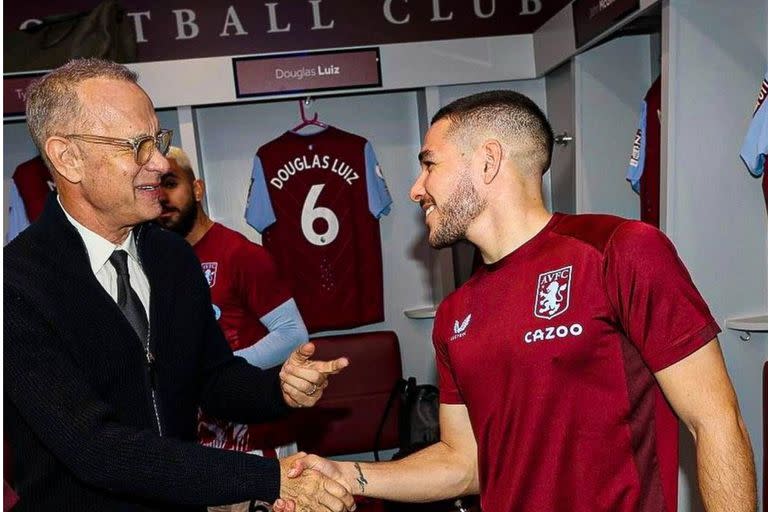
(308, 482)
(445, 469)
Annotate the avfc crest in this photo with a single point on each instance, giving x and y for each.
(209, 269)
(553, 293)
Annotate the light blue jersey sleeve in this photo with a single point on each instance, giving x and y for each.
(258, 209)
(637, 159)
(379, 200)
(287, 332)
(17, 214)
(755, 146)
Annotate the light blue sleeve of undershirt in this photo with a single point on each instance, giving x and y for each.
(286, 333)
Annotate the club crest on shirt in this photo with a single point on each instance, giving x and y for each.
(553, 293)
(209, 269)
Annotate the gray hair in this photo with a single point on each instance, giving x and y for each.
(52, 100)
(513, 117)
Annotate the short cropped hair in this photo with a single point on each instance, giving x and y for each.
(519, 123)
(52, 101)
(181, 158)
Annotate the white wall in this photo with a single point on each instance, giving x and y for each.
(716, 55)
(610, 82)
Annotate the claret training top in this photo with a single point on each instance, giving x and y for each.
(553, 348)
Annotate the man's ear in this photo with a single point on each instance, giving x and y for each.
(65, 158)
(492, 153)
(198, 189)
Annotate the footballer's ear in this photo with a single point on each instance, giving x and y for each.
(65, 158)
(492, 153)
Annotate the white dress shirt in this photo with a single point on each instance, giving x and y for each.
(100, 249)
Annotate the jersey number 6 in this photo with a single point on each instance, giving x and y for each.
(309, 213)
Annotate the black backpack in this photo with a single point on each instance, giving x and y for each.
(418, 422)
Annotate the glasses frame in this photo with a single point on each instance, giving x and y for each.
(134, 144)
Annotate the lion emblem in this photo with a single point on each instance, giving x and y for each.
(551, 298)
(553, 293)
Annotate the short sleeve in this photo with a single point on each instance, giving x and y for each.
(637, 158)
(755, 145)
(258, 210)
(449, 391)
(379, 200)
(662, 312)
(258, 280)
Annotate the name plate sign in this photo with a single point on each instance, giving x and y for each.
(14, 90)
(593, 17)
(307, 72)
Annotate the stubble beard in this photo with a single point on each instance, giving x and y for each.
(461, 208)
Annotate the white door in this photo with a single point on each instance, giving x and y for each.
(561, 112)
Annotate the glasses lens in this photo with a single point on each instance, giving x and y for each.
(164, 141)
(144, 151)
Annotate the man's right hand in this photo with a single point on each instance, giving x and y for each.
(310, 490)
(332, 469)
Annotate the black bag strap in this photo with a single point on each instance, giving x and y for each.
(397, 389)
(410, 395)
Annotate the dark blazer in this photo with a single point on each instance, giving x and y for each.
(78, 411)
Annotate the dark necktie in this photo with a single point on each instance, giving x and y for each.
(127, 299)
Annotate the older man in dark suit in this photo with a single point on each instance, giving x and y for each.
(110, 340)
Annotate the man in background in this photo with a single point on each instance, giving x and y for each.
(253, 306)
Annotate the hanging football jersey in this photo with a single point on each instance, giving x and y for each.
(643, 172)
(31, 185)
(316, 199)
(17, 215)
(755, 147)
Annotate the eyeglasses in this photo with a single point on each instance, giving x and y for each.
(142, 146)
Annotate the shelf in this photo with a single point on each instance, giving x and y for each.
(420, 313)
(749, 324)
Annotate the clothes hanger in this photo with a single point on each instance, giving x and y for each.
(304, 120)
